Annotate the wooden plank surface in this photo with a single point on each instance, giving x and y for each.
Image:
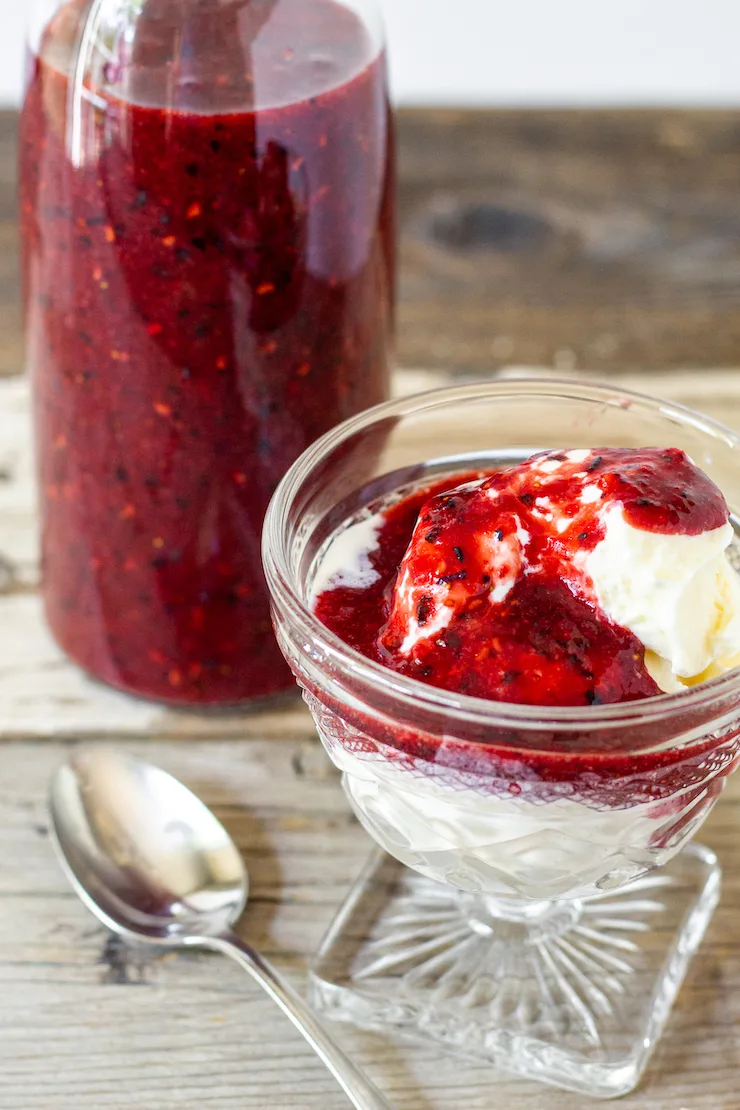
(85, 1026)
(604, 241)
(593, 239)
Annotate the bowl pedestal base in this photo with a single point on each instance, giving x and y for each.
(575, 994)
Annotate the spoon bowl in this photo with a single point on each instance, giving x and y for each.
(143, 852)
(151, 861)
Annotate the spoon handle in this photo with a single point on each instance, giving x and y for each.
(363, 1094)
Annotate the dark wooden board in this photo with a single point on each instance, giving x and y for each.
(605, 240)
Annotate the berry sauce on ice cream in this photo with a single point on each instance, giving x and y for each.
(574, 578)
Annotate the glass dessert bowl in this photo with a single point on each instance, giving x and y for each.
(550, 903)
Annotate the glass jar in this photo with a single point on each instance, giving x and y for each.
(208, 230)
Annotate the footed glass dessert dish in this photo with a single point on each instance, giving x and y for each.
(536, 903)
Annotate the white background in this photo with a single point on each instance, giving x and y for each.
(524, 52)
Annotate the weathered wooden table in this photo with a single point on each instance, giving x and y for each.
(604, 241)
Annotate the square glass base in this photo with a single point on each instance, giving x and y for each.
(576, 995)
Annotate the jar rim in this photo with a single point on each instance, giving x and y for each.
(410, 695)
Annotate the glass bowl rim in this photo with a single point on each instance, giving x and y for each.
(411, 694)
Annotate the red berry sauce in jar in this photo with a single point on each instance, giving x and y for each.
(209, 286)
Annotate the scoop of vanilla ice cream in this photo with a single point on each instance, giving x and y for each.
(676, 593)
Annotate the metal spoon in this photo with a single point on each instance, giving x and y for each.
(153, 863)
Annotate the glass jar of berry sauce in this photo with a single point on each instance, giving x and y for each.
(208, 228)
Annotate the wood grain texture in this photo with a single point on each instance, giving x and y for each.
(597, 239)
(11, 342)
(86, 1025)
